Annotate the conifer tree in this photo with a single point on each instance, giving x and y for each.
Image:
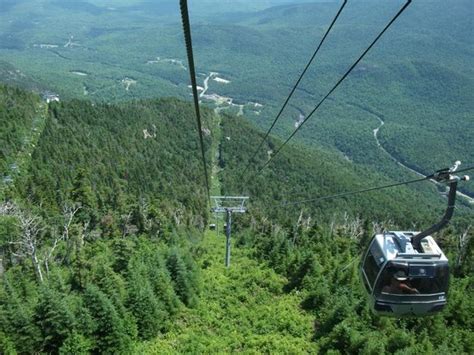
(18, 313)
(180, 277)
(110, 334)
(83, 195)
(145, 307)
(76, 344)
(162, 286)
(6, 345)
(53, 318)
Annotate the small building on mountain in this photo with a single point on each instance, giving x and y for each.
(50, 97)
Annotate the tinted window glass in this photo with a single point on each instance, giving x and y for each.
(414, 279)
(372, 264)
(432, 284)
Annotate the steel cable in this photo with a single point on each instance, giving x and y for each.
(336, 85)
(192, 72)
(350, 193)
(294, 87)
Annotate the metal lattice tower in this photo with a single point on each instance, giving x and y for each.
(228, 205)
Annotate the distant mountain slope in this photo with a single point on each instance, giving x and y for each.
(145, 149)
(150, 149)
(300, 173)
(105, 200)
(19, 111)
(418, 79)
(12, 76)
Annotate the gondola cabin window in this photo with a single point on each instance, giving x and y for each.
(414, 279)
(373, 263)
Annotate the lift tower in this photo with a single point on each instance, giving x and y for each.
(228, 205)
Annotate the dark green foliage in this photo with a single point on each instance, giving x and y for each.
(323, 266)
(161, 283)
(17, 111)
(183, 278)
(126, 266)
(150, 314)
(83, 196)
(18, 116)
(110, 334)
(108, 167)
(53, 317)
(318, 246)
(76, 344)
(9, 231)
(17, 305)
(123, 250)
(107, 283)
(7, 347)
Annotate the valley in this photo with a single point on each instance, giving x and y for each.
(262, 59)
(376, 131)
(135, 257)
(222, 103)
(107, 241)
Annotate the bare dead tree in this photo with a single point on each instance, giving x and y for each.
(49, 253)
(353, 227)
(84, 233)
(69, 211)
(197, 221)
(276, 229)
(463, 242)
(307, 223)
(298, 224)
(144, 208)
(377, 228)
(126, 224)
(6, 209)
(263, 225)
(253, 223)
(177, 216)
(380, 227)
(347, 226)
(332, 225)
(30, 240)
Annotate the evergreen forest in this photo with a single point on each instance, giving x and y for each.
(108, 243)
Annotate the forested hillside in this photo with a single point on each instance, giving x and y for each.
(12, 76)
(22, 118)
(105, 237)
(102, 246)
(17, 114)
(319, 173)
(137, 150)
(317, 247)
(417, 80)
(96, 236)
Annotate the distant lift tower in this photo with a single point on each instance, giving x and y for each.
(228, 205)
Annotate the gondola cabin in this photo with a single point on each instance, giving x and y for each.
(401, 280)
